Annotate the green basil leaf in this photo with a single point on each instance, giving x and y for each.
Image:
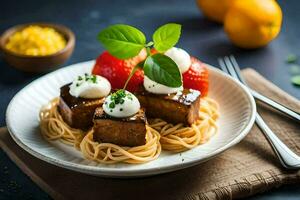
(163, 70)
(122, 41)
(296, 80)
(166, 36)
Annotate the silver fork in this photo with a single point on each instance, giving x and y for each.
(236, 73)
(286, 156)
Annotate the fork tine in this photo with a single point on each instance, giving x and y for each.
(237, 68)
(230, 67)
(223, 66)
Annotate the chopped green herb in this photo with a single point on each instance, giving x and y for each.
(94, 79)
(77, 84)
(86, 74)
(112, 105)
(129, 96)
(111, 110)
(79, 78)
(295, 69)
(118, 97)
(291, 58)
(296, 80)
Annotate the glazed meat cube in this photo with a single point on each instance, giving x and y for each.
(182, 107)
(77, 112)
(129, 131)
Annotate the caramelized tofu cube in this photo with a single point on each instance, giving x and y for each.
(77, 112)
(129, 131)
(182, 107)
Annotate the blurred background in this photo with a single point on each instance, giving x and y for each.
(201, 37)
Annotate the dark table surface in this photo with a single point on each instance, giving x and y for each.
(200, 37)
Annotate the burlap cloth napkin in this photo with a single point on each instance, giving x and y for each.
(246, 169)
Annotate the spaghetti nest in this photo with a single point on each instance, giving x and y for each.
(160, 135)
(110, 153)
(178, 138)
(53, 126)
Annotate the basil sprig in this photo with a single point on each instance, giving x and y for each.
(124, 41)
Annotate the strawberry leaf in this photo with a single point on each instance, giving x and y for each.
(166, 36)
(122, 41)
(163, 70)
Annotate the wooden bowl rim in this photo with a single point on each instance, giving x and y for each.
(66, 32)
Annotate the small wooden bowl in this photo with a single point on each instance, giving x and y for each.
(30, 63)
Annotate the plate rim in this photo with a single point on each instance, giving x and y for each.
(115, 172)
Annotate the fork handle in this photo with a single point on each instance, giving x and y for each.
(287, 157)
(276, 105)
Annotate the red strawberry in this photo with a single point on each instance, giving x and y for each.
(196, 77)
(117, 71)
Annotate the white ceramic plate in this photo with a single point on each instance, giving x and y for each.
(237, 109)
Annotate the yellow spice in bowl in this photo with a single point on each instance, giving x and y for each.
(36, 41)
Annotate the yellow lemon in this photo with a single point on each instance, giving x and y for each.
(253, 23)
(214, 9)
